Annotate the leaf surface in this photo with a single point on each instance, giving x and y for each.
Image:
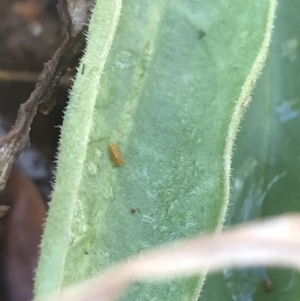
(266, 165)
(166, 82)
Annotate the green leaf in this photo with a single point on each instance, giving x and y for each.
(168, 86)
(266, 163)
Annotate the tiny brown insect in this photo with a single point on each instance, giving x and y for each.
(268, 285)
(133, 210)
(116, 154)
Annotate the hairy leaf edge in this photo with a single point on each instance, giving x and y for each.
(244, 100)
(43, 287)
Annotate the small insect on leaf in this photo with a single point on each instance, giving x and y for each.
(116, 154)
(268, 285)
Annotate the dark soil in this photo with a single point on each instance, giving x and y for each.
(29, 35)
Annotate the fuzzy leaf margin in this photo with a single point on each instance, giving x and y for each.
(167, 83)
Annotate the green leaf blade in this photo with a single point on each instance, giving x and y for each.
(171, 83)
(266, 163)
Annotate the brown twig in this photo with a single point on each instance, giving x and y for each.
(43, 97)
(28, 77)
